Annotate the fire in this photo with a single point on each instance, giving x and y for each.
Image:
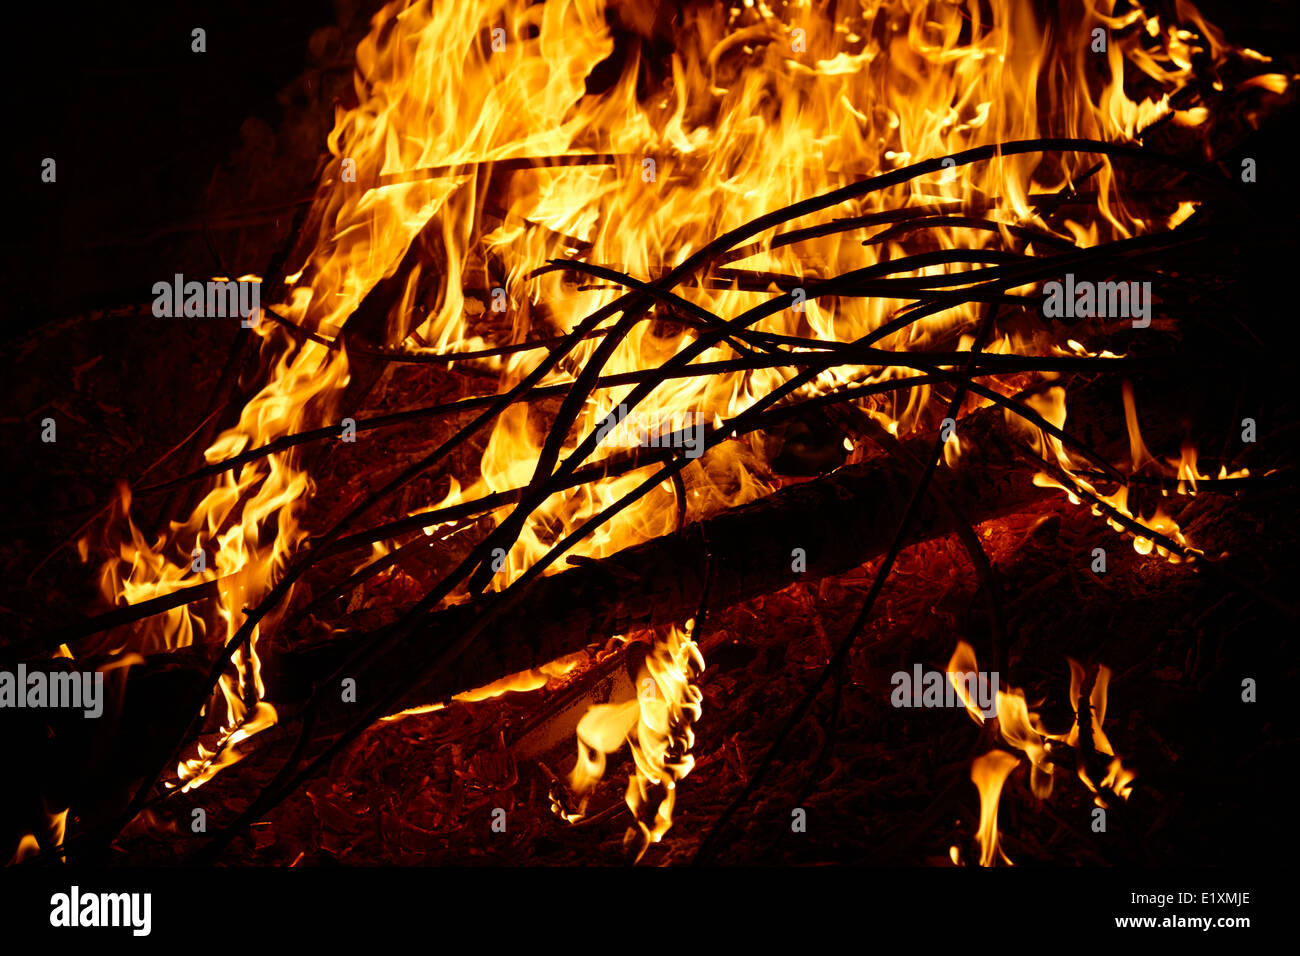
(1118, 779)
(521, 683)
(1022, 729)
(989, 772)
(1142, 464)
(241, 535)
(485, 135)
(658, 726)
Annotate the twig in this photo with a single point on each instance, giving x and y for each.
(838, 659)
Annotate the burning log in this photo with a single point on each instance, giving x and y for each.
(386, 274)
(804, 532)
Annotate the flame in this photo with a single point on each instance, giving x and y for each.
(1022, 729)
(28, 847)
(486, 132)
(989, 772)
(657, 725)
(523, 682)
(1117, 779)
(963, 662)
(1052, 407)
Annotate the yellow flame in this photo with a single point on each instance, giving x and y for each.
(519, 683)
(1022, 729)
(989, 772)
(764, 109)
(657, 725)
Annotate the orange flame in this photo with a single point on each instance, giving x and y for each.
(1023, 730)
(657, 725)
(989, 772)
(763, 109)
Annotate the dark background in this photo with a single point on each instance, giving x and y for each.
(139, 125)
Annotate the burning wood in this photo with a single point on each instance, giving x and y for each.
(804, 532)
(814, 288)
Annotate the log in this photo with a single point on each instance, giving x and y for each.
(840, 522)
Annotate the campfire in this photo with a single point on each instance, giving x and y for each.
(691, 433)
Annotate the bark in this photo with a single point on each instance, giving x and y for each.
(839, 522)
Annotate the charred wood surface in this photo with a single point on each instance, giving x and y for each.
(839, 522)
